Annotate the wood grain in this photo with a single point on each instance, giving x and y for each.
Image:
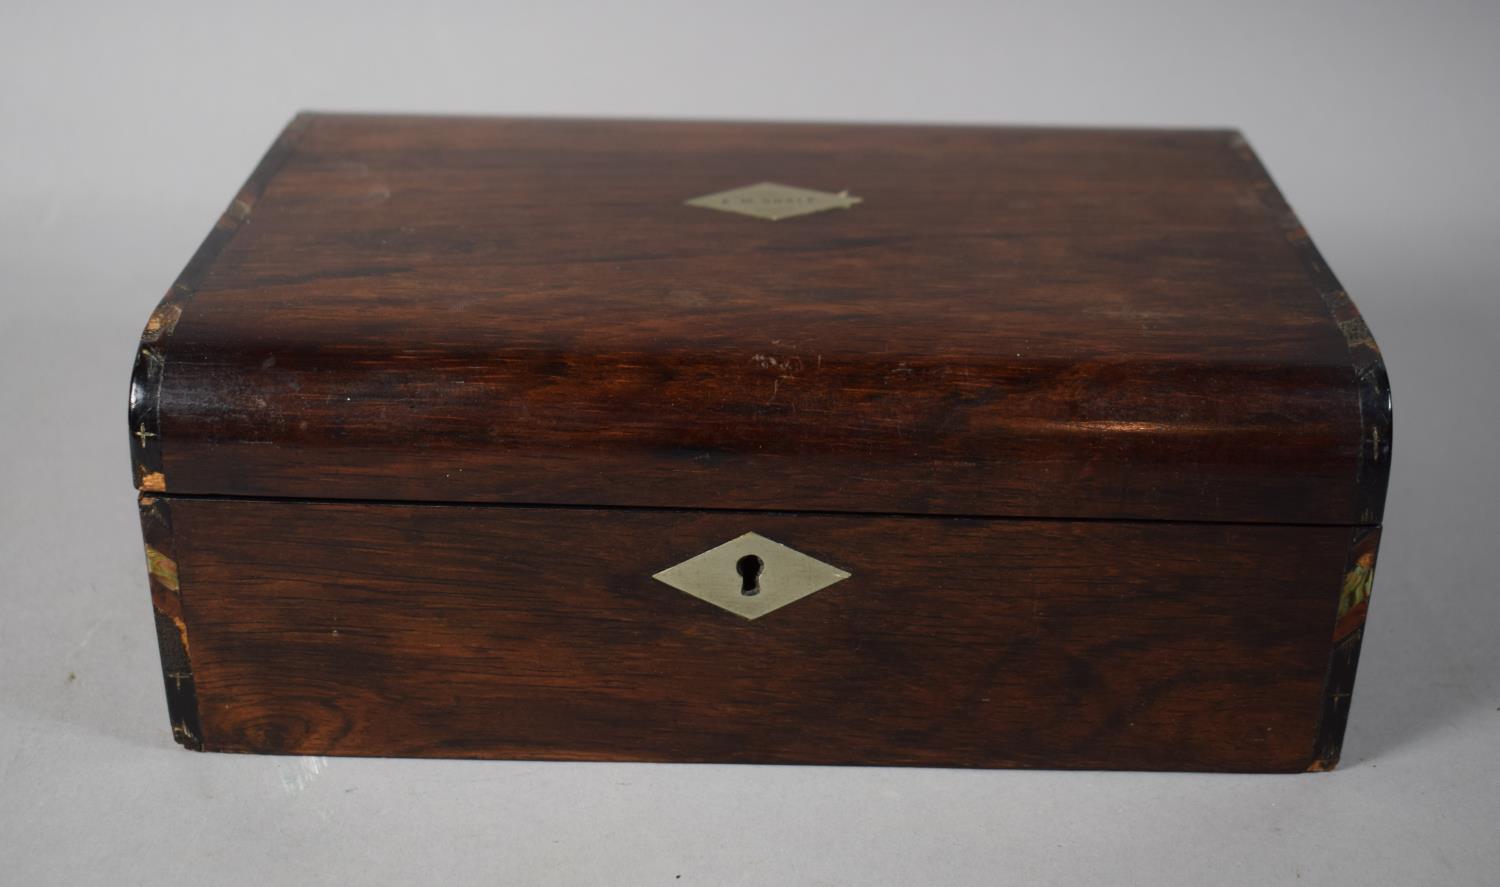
(469, 631)
(1015, 322)
(1102, 440)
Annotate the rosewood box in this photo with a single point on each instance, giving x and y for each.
(780, 443)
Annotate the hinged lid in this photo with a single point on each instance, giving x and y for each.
(962, 321)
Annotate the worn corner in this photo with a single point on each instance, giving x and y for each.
(183, 734)
(1325, 763)
(239, 211)
(162, 321)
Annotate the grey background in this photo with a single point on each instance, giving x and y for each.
(127, 128)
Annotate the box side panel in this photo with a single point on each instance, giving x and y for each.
(510, 632)
(149, 369)
(1348, 637)
(1366, 364)
(171, 629)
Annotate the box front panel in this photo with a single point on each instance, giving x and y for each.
(516, 632)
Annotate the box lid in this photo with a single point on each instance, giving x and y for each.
(979, 321)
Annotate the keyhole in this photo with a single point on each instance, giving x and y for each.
(749, 568)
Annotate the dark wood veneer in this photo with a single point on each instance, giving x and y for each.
(1092, 424)
(472, 631)
(1015, 322)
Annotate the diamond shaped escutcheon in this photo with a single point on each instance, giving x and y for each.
(751, 576)
(771, 201)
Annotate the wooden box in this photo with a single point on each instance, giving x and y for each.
(1000, 447)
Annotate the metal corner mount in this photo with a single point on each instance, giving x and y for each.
(751, 576)
(768, 200)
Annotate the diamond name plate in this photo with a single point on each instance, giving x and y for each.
(751, 576)
(769, 200)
